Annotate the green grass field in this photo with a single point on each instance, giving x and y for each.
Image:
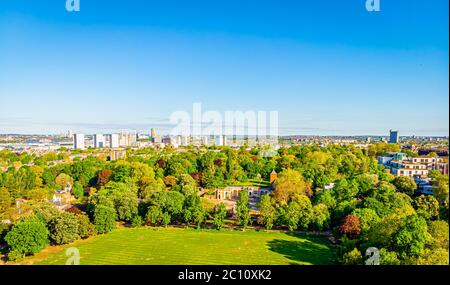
(166, 246)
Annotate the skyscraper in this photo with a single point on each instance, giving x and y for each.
(78, 141)
(99, 141)
(393, 136)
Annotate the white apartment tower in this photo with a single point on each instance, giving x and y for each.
(99, 141)
(78, 141)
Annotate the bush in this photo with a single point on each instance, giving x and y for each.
(353, 257)
(29, 236)
(85, 227)
(64, 228)
(104, 219)
(136, 221)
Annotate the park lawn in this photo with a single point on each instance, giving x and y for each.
(166, 246)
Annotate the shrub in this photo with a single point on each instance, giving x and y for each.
(136, 221)
(353, 257)
(85, 227)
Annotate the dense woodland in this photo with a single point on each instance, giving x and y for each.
(368, 207)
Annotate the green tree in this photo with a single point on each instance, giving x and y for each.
(409, 240)
(320, 216)
(242, 210)
(353, 257)
(426, 206)
(438, 231)
(78, 190)
(267, 212)
(5, 200)
(292, 215)
(64, 228)
(104, 219)
(85, 227)
(388, 257)
(305, 210)
(27, 237)
(405, 185)
(165, 219)
(367, 217)
(154, 215)
(219, 215)
(199, 215)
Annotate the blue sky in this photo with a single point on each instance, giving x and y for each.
(328, 67)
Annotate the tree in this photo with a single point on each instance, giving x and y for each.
(219, 215)
(63, 179)
(326, 197)
(267, 212)
(320, 216)
(242, 210)
(405, 185)
(305, 210)
(29, 236)
(64, 228)
(353, 257)
(5, 200)
(292, 215)
(126, 206)
(104, 219)
(198, 215)
(103, 177)
(438, 231)
(351, 226)
(388, 257)
(409, 240)
(431, 257)
(154, 215)
(78, 190)
(367, 217)
(165, 219)
(426, 206)
(289, 183)
(85, 227)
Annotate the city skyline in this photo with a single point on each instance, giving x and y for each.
(328, 69)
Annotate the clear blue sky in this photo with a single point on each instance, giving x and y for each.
(329, 67)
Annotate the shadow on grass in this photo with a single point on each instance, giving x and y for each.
(307, 250)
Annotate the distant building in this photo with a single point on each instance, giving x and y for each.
(393, 136)
(232, 192)
(221, 140)
(117, 154)
(204, 140)
(127, 139)
(113, 141)
(185, 141)
(167, 140)
(414, 167)
(99, 141)
(78, 141)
